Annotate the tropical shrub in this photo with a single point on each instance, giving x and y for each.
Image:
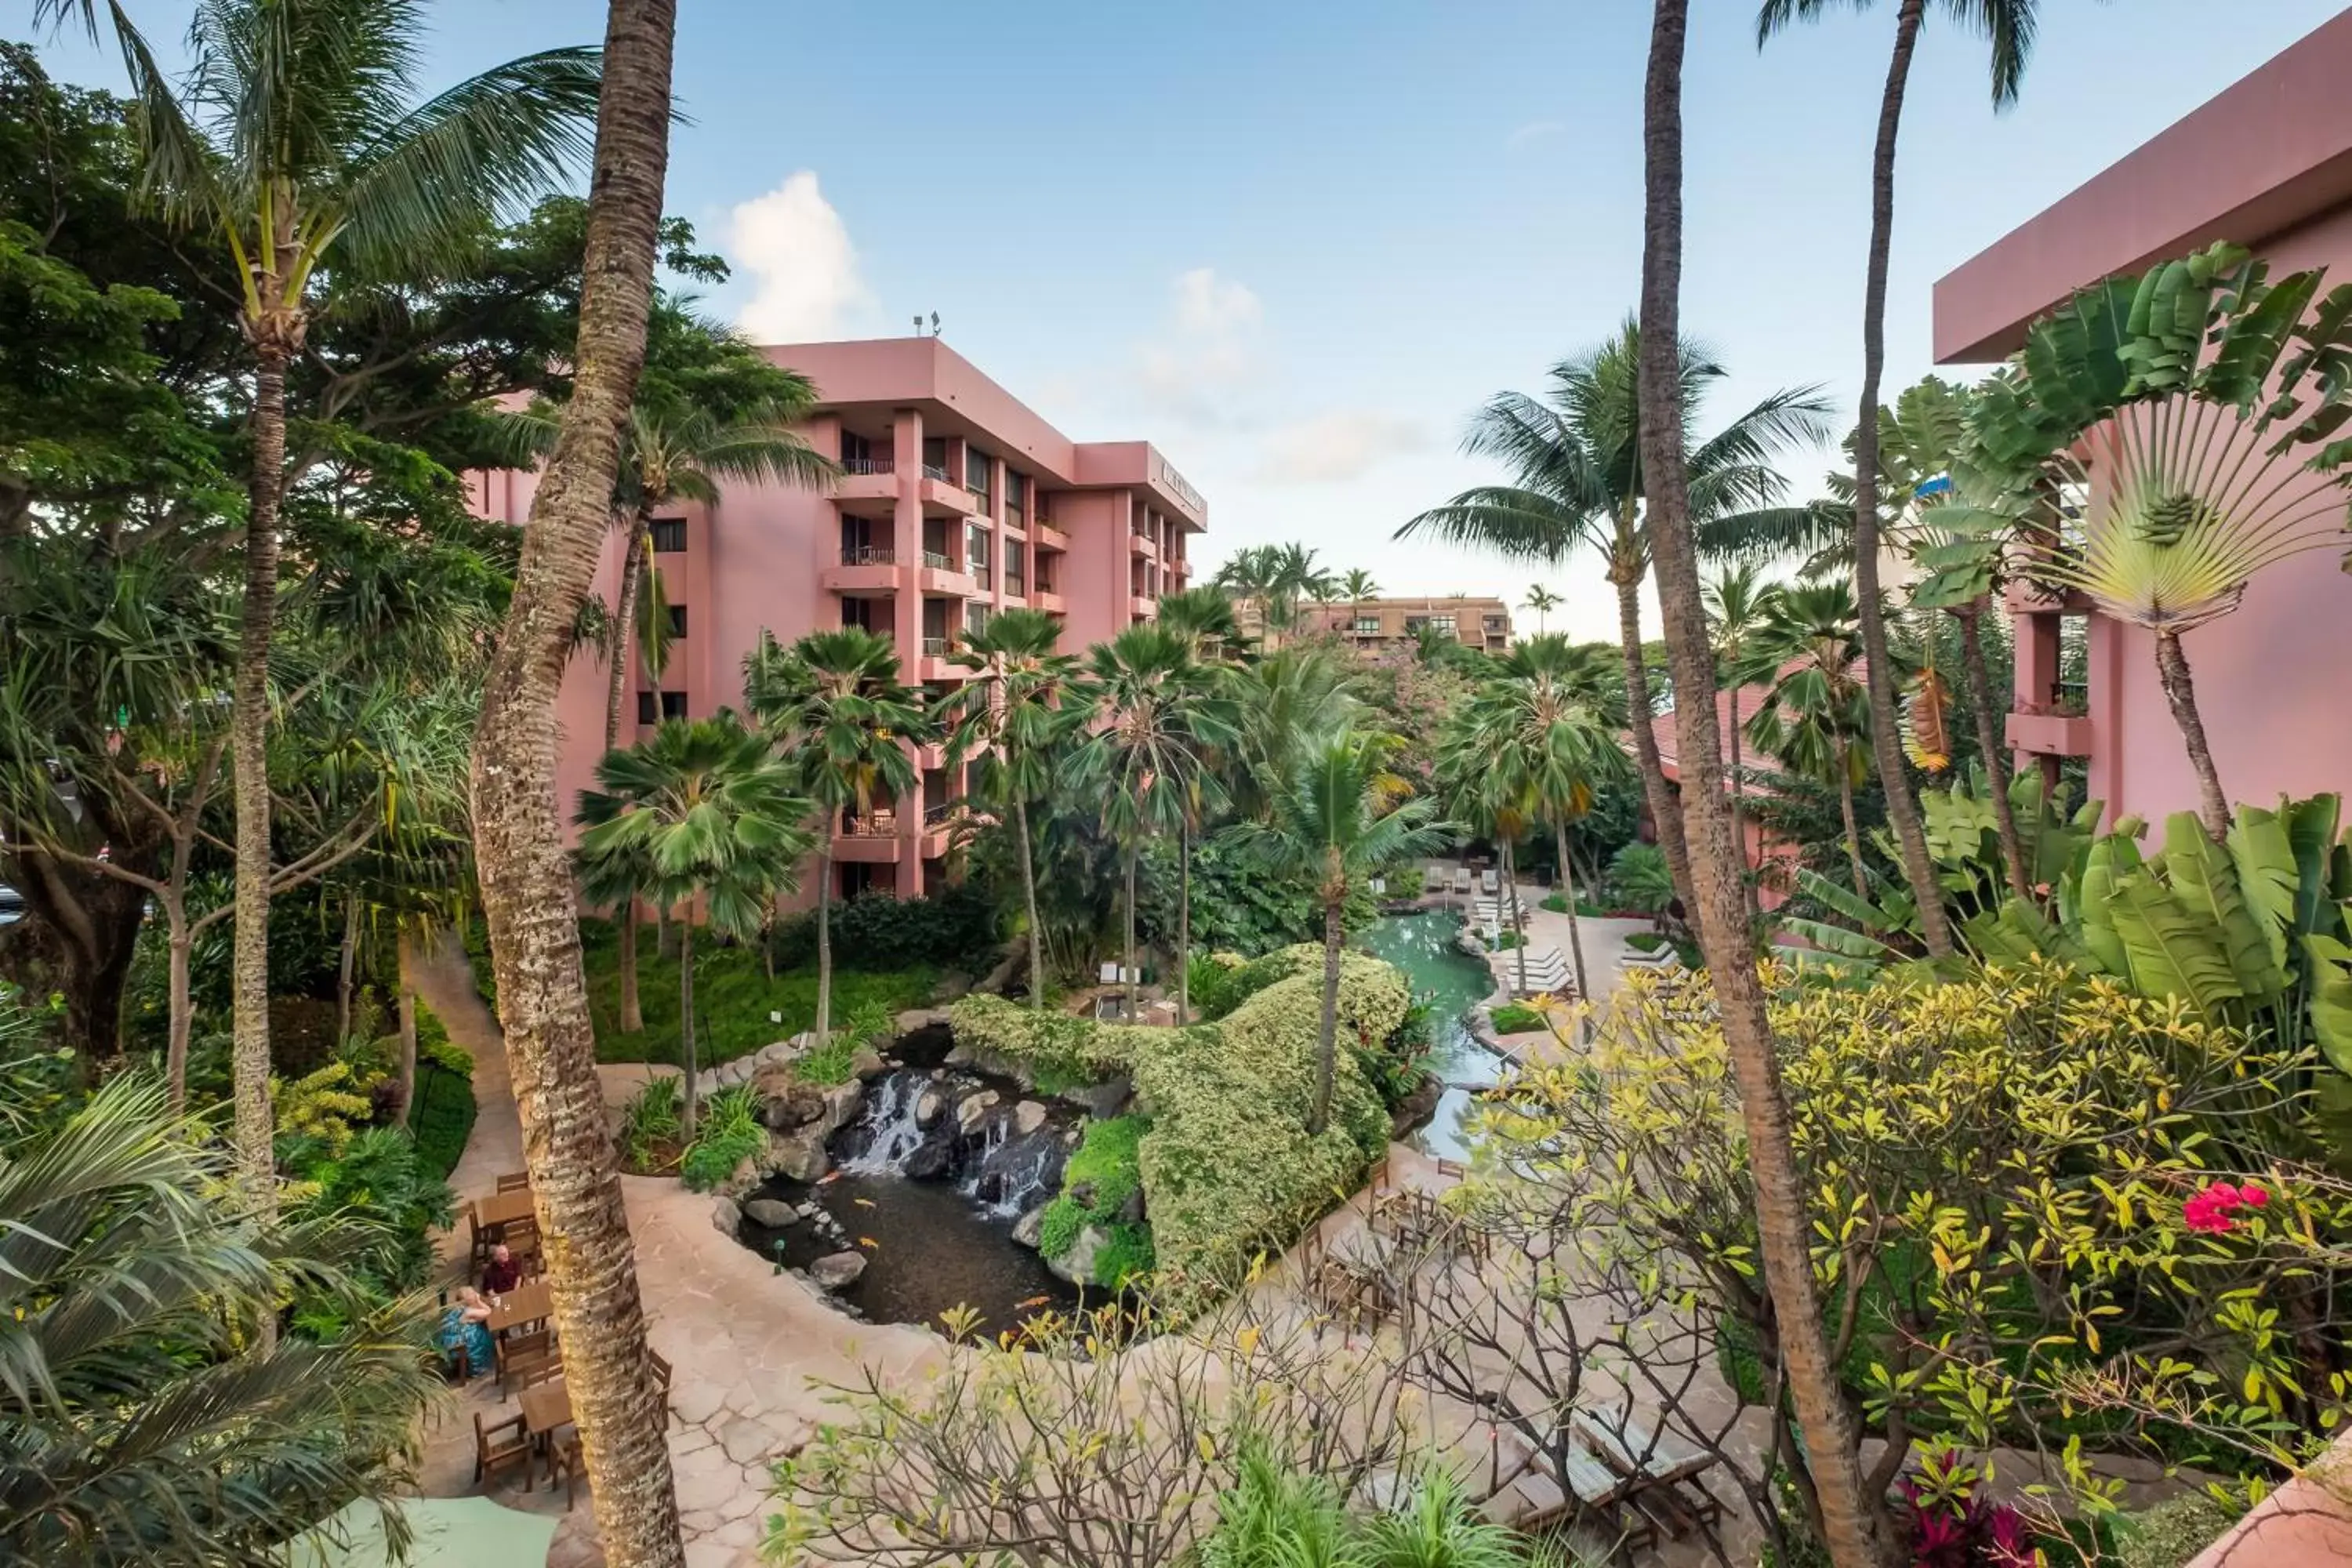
(1407, 881)
(1515, 1018)
(1038, 1043)
(954, 930)
(1208, 980)
(728, 1133)
(649, 1122)
(1639, 880)
(379, 1179)
(2172, 1532)
(441, 1107)
(1102, 1176)
(325, 1108)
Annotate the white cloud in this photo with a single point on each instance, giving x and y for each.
(805, 285)
(1207, 352)
(1533, 131)
(1334, 448)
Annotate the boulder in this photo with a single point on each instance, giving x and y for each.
(797, 1156)
(1077, 1265)
(1027, 1117)
(837, 1270)
(951, 987)
(790, 1104)
(933, 1158)
(725, 1218)
(1101, 1101)
(746, 1175)
(772, 1213)
(841, 1104)
(867, 1063)
(1132, 1210)
(1030, 1228)
(917, 1018)
(972, 1110)
(928, 1106)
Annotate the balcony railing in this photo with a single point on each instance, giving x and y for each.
(938, 816)
(875, 824)
(868, 466)
(869, 555)
(936, 647)
(938, 561)
(934, 471)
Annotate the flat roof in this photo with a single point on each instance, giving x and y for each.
(2266, 154)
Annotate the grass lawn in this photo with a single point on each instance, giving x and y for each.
(732, 998)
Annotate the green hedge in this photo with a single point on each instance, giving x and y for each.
(1511, 1019)
(1055, 1046)
(1108, 1164)
(441, 1107)
(957, 931)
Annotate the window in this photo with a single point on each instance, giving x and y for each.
(858, 612)
(669, 535)
(935, 456)
(673, 705)
(975, 550)
(1016, 495)
(1442, 625)
(856, 452)
(975, 616)
(976, 468)
(1366, 626)
(1016, 567)
(676, 619)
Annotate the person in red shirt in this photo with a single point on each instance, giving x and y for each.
(501, 1274)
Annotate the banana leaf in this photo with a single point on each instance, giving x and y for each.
(2205, 879)
(2263, 854)
(2171, 952)
(2018, 931)
(2311, 828)
(2331, 998)
(2093, 912)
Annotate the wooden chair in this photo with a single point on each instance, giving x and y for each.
(566, 1459)
(514, 1182)
(526, 1357)
(500, 1446)
(521, 1238)
(479, 1237)
(661, 1371)
(1661, 1472)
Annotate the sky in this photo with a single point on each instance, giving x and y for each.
(1296, 246)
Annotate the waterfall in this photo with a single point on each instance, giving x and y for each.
(888, 1127)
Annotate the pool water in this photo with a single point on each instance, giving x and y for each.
(1422, 946)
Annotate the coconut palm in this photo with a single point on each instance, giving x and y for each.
(1579, 482)
(142, 1424)
(1203, 618)
(1154, 714)
(701, 809)
(1356, 587)
(1739, 603)
(2202, 388)
(1840, 1495)
(2008, 28)
(1480, 770)
(1543, 602)
(835, 706)
(1817, 720)
(1554, 715)
(293, 142)
(1012, 716)
(1337, 821)
(551, 1038)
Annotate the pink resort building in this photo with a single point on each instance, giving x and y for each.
(2266, 164)
(956, 500)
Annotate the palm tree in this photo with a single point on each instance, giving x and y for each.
(703, 809)
(1580, 481)
(1204, 619)
(1818, 712)
(1011, 715)
(292, 143)
(2007, 27)
(1486, 784)
(1554, 716)
(525, 877)
(1543, 602)
(1334, 824)
(1154, 713)
(142, 1426)
(1784, 1226)
(1356, 586)
(834, 704)
(1738, 603)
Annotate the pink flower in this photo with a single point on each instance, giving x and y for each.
(2253, 1196)
(2210, 1210)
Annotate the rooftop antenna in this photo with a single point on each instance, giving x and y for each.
(935, 323)
(918, 323)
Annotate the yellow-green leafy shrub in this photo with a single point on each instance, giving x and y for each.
(1050, 1046)
(328, 1105)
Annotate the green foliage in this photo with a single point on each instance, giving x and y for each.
(1208, 980)
(326, 1107)
(1646, 942)
(1127, 1254)
(1237, 906)
(1639, 879)
(380, 1179)
(649, 1118)
(1405, 882)
(441, 1108)
(1515, 1018)
(1072, 1049)
(955, 930)
(733, 999)
(1557, 903)
(1278, 1518)
(1057, 1232)
(728, 1133)
(2172, 1532)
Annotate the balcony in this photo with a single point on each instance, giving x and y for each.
(938, 648)
(872, 839)
(1045, 536)
(937, 823)
(2022, 597)
(866, 479)
(2052, 734)
(943, 495)
(1141, 544)
(1143, 605)
(864, 569)
(1045, 598)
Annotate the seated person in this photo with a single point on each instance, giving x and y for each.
(502, 1273)
(464, 1333)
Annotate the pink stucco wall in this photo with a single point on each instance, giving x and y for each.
(2268, 165)
(771, 557)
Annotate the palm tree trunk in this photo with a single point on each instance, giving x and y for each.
(625, 630)
(686, 1017)
(824, 1030)
(249, 747)
(175, 1055)
(1663, 812)
(1738, 815)
(1511, 906)
(633, 1016)
(1568, 897)
(1849, 1526)
(347, 960)
(2172, 669)
(1184, 922)
(405, 1072)
(1131, 978)
(1996, 761)
(1327, 1041)
(1029, 899)
(1853, 829)
(526, 876)
(1886, 738)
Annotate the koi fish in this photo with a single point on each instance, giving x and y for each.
(862, 1202)
(1032, 1301)
(828, 1178)
(869, 1242)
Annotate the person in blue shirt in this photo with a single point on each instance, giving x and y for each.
(466, 1331)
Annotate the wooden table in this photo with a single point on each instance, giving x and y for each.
(546, 1406)
(498, 1208)
(525, 1304)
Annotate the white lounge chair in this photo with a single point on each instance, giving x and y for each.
(1489, 883)
(1463, 881)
